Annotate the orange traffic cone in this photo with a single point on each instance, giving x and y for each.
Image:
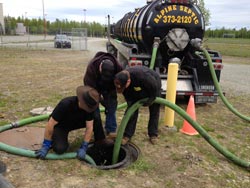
(187, 128)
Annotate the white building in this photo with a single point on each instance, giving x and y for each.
(2, 27)
(20, 29)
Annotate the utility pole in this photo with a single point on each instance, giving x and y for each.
(84, 11)
(108, 28)
(44, 22)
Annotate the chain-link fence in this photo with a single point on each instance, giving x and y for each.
(29, 41)
(78, 38)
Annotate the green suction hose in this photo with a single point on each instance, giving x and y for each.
(154, 52)
(183, 114)
(29, 153)
(24, 122)
(217, 86)
(121, 130)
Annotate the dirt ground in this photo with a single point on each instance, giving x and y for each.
(37, 78)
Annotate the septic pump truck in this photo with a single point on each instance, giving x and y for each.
(163, 32)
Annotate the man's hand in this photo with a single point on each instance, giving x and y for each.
(41, 153)
(81, 152)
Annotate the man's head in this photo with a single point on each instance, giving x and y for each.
(88, 98)
(122, 81)
(107, 70)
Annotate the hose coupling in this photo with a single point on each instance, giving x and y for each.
(197, 43)
(14, 124)
(156, 42)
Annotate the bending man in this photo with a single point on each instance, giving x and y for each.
(137, 83)
(100, 75)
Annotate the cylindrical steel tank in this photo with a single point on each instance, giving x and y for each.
(163, 19)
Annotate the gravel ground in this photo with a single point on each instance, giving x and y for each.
(236, 78)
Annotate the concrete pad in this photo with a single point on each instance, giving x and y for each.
(23, 137)
(41, 110)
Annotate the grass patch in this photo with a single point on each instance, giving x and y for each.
(4, 123)
(2, 103)
(229, 47)
(220, 137)
(208, 128)
(32, 79)
(141, 165)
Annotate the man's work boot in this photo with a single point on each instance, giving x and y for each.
(112, 135)
(153, 140)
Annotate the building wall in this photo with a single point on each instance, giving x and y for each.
(20, 29)
(2, 19)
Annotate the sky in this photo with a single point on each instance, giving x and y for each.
(224, 13)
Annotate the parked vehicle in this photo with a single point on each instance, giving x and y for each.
(174, 25)
(62, 41)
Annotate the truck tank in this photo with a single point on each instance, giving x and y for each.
(175, 25)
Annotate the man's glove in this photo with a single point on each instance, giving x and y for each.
(81, 152)
(149, 101)
(41, 154)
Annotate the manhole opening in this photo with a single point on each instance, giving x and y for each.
(103, 156)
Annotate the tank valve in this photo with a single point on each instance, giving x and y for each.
(197, 42)
(176, 60)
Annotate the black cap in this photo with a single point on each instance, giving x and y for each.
(108, 70)
(120, 81)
